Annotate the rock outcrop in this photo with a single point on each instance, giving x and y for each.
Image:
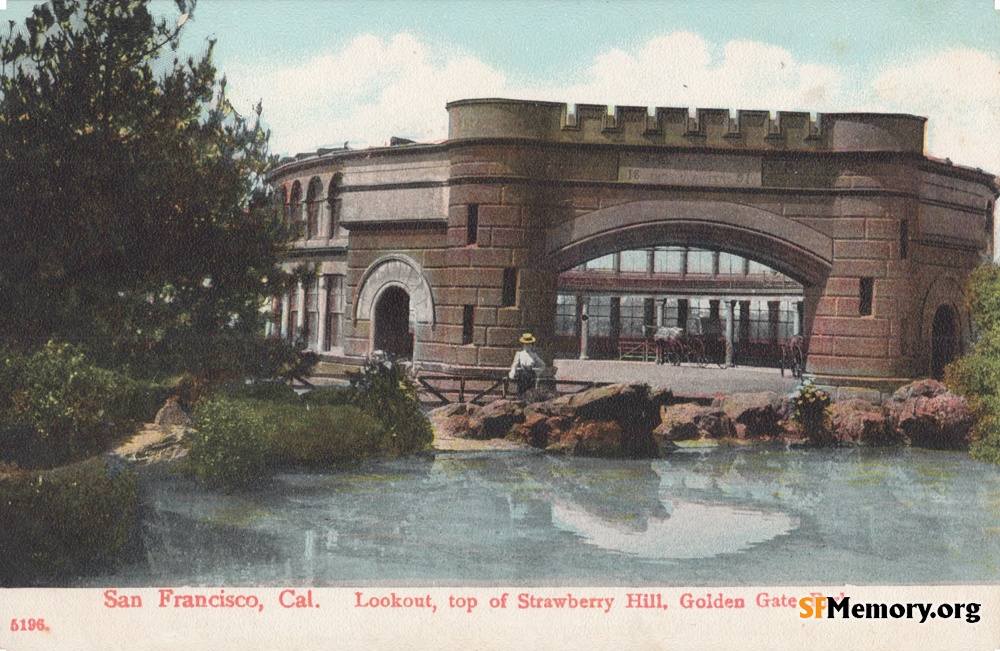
(859, 421)
(455, 420)
(756, 415)
(690, 421)
(495, 419)
(926, 414)
(630, 420)
(615, 420)
(172, 415)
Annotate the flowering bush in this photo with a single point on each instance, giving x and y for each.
(384, 390)
(811, 412)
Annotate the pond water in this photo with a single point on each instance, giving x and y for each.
(716, 516)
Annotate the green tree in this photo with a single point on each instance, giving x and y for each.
(134, 217)
(977, 375)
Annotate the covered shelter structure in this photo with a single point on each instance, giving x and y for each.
(471, 241)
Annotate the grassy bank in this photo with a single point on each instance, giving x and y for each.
(68, 520)
(241, 436)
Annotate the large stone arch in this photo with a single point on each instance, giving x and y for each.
(798, 251)
(401, 271)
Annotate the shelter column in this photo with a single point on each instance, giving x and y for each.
(284, 314)
(321, 313)
(584, 326)
(300, 315)
(728, 330)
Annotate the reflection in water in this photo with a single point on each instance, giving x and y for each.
(723, 516)
(693, 530)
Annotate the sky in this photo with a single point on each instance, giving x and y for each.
(330, 72)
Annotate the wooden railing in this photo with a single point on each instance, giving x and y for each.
(636, 348)
(455, 388)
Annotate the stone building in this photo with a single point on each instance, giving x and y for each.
(447, 252)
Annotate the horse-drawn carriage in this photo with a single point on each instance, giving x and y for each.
(676, 346)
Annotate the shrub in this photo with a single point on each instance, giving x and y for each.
(384, 390)
(56, 407)
(330, 396)
(273, 391)
(977, 375)
(325, 436)
(977, 378)
(811, 412)
(229, 447)
(67, 521)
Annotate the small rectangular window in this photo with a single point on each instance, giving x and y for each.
(668, 260)
(634, 262)
(904, 238)
(700, 261)
(866, 290)
(468, 313)
(603, 263)
(472, 225)
(509, 294)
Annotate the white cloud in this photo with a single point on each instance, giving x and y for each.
(372, 89)
(959, 90)
(683, 69)
(364, 93)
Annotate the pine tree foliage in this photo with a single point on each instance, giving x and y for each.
(135, 219)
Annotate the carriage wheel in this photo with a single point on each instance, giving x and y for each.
(721, 361)
(698, 355)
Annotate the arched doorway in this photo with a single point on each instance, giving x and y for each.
(392, 323)
(943, 340)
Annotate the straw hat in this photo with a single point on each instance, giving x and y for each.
(527, 338)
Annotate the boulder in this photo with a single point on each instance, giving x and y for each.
(588, 438)
(533, 430)
(171, 415)
(926, 388)
(756, 415)
(605, 403)
(630, 405)
(615, 420)
(927, 415)
(678, 430)
(690, 421)
(455, 420)
(495, 419)
(859, 421)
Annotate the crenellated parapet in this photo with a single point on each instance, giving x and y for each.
(680, 127)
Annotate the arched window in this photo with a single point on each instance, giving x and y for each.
(312, 207)
(333, 197)
(284, 203)
(295, 203)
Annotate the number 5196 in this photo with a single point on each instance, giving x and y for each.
(19, 625)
